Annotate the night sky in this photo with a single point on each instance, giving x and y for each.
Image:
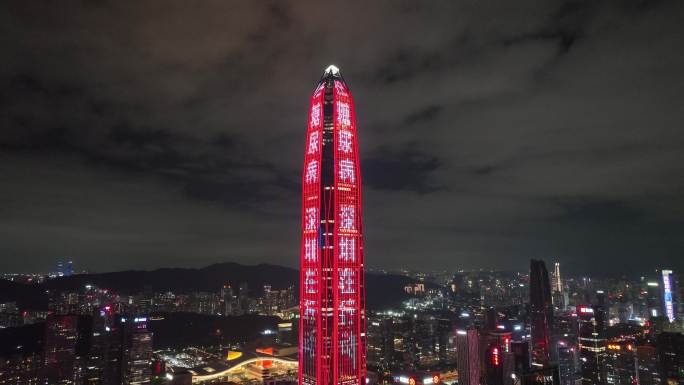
(145, 134)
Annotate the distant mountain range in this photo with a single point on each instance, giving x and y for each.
(382, 291)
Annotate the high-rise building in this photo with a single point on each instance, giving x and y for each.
(541, 315)
(444, 332)
(137, 352)
(557, 283)
(557, 294)
(669, 308)
(648, 370)
(621, 362)
(521, 354)
(381, 342)
(69, 269)
(499, 362)
(671, 357)
(567, 362)
(120, 350)
(592, 344)
(468, 357)
(332, 338)
(61, 337)
(653, 300)
(565, 337)
(60, 268)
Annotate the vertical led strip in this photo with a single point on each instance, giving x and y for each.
(349, 336)
(310, 267)
(667, 295)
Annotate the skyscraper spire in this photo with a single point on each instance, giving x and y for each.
(557, 283)
(332, 331)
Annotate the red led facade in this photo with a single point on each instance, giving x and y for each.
(332, 328)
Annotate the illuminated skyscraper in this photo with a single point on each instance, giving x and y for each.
(61, 337)
(669, 309)
(541, 314)
(592, 344)
(621, 364)
(499, 361)
(557, 283)
(468, 357)
(332, 334)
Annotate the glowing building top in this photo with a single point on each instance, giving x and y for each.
(332, 71)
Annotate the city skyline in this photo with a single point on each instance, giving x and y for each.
(476, 193)
(140, 136)
(240, 325)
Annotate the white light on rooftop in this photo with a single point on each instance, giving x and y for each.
(332, 70)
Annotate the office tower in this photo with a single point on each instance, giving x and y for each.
(499, 360)
(521, 355)
(524, 373)
(380, 342)
(671, 357)
(69, 269)
(567, 362)
(592, 344)
(648, 370)
(287, 334)
(243, 299)
(444, 331)
(541, 315)
(557, 283)
(468, 357)
(621, 362)
(120, 350)
(493, 365)
(61, 336)
(137, 352)
(669, 308)
(653, 299)
(565, 338)
(557, 294)
(227, 300)
(332, 338)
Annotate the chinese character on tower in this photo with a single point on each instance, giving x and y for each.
(332, 330)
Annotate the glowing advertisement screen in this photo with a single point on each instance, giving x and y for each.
(667, 295)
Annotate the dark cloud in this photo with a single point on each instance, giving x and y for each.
(402, 169)
(147, 134)
(426, 114)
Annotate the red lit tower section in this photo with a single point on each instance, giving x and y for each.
(332, 329)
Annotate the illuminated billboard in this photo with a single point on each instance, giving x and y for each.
(667, 295)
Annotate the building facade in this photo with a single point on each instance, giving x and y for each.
(468, 357)
(592, 344)
(541, 315)
(332, 297)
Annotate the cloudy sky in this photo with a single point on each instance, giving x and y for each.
(143, 134)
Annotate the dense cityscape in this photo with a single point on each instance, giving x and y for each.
(172, 212)
(465, 327)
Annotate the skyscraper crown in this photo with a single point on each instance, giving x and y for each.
(331, 71)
